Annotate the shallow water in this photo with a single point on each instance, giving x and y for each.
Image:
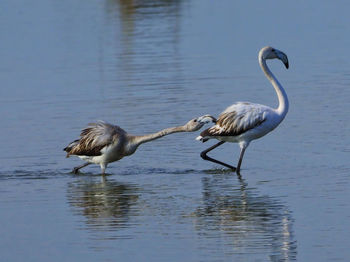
(147, 65)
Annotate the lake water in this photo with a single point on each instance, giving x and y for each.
(147, 65)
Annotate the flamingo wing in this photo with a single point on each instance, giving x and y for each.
(238, 119)
(94, 138)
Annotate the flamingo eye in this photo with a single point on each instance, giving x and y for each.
(195, 120)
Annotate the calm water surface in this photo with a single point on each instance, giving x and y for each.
(147, 65)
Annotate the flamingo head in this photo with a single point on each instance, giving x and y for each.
(269, 52)
(197, 123)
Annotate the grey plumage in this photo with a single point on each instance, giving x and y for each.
(94, 138)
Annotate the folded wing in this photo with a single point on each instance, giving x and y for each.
(237, 119)
(94, 138)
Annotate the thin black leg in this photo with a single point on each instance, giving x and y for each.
(205, 157)
(76, 169)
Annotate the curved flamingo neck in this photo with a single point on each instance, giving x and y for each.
(281, 94)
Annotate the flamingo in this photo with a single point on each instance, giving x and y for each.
(102, 143)
(243, 122)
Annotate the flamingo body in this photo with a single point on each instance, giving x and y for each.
(242, 122)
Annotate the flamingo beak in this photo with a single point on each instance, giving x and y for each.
(283, 57)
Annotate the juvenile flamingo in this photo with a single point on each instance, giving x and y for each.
(102, 143)
(243, 122)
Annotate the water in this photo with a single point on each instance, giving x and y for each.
(147, 65)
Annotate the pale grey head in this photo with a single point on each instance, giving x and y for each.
(269, 52)
(197, 123)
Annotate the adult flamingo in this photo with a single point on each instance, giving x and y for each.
(243, 122)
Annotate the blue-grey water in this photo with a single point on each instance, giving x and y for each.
(147, 65)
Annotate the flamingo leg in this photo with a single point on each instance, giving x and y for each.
(76, 169)
(240, 160)
(205, 157)
(103, 168)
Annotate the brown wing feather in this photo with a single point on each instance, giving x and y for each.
(94, 138)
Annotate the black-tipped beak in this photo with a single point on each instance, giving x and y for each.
(283, 57)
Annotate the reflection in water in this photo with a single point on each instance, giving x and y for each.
(251, 224)
(147, 40)
(105, 204)
(131, 12)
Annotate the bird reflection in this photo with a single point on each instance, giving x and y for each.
(136, 16)
(106, 205)
(252, 224)
(148, 33)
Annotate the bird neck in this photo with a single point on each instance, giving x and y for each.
(138, 140)
(281, 94)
